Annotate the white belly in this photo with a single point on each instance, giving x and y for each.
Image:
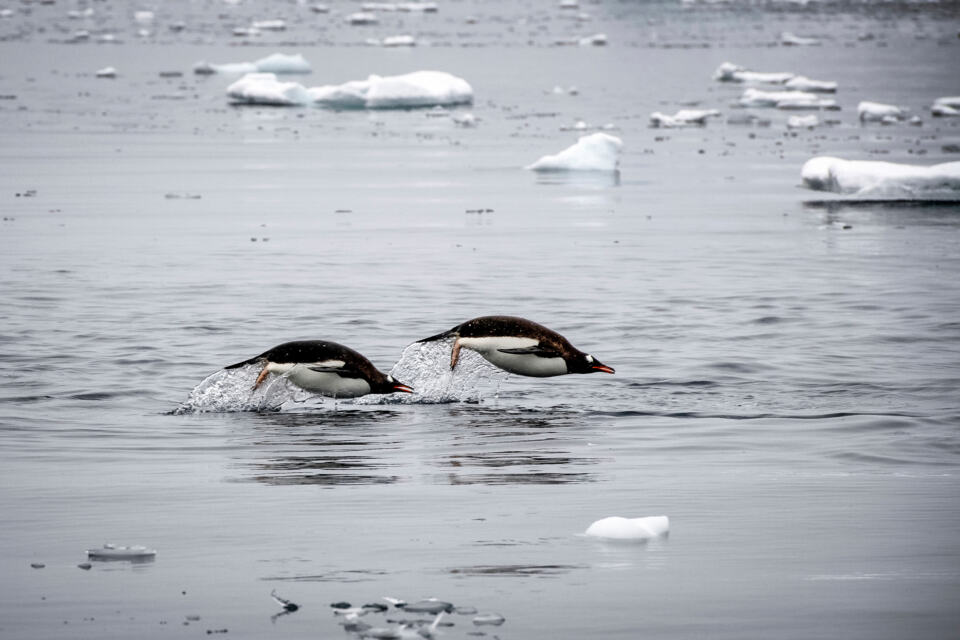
(522, 364)
(323, 382)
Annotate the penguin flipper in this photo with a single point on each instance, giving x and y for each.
(535, 350)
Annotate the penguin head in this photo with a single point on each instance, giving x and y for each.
(390, 385)
(586, 363)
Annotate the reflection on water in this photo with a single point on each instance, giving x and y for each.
(365, 447)
(581, 179)
(888, 212)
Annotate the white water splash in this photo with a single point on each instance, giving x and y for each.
(232, 390)
(425, 366)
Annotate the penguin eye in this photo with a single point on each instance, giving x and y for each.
(589, 358)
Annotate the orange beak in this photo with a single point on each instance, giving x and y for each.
(603, 367)
(402, 387)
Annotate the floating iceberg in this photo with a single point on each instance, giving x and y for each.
(876, 112)
(274, 63)
(791, 40)
(682, 118)
(802, 122)
(946, 106)
(596, 152)
(417, 89)
(882, 179)
(785, 100)
(617, 528)
(803, 83)
(265, 89)
(729, 72)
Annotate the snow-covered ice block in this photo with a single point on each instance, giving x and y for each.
(274, 63)
(877, 112)
(946, 106)
(114, 552)
(729, 72)
(417, 89)
(617, 528)
(595, 152)
(682, 118)
(881, 179)
(399, 41)
(791, 40)
(785, 100)
(264, 88)
(802, 122)
(803, 83)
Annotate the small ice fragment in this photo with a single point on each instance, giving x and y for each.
(569, 4)
(465, 611)
(494, 619)
(375, 606)
(791, 40)
(464, 119)
(397, 602)
(340, 605)
(361, 18)
(381, 633)
(429, 606)
(876, 112)
(595, 152)
(802, 122)
(417, 89)
(319, 8)
(37, 565)
(107, 72)
(425, 7)
(882, 179)
(269, 25)
(114, 552)
(803, 83)
(682, 118)
(617, 528)
(143, 17)
(86, 566)
(729, 72)
(785, 100)
(596, 40)
(399, 41)
(948, 106)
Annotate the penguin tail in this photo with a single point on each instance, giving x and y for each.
(243, 364)
(440, 336)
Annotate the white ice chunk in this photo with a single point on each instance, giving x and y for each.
(362, 17)
(802, 122)
(595, 152)
(274, 63)
(803, 83)
(399, 41)
(417, 89)
(569, 4)
(319, 8)
(791, 40)
(682, 118)
(946, 106)
(464, 119)
(107, 72)
(729, 72)
(875, 111)
(596, 40)
(113, 552)
(785, 100)
(143, 17)
(617, 528)
(425, 7)
(269, 25)
(881, 179)
(264, 88)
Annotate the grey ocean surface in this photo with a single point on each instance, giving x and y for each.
(788, 365)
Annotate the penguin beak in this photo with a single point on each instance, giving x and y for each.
(603, 367)
(402, 387)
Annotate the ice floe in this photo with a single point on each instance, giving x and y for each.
(274, 63)
(946, 107)
(617, 528)
(803, 83)
(417, 89)
(683, 118)
(803, 122)
(730, 72)
(791, 40)
(265, 89)
(785, 100)
(877, 112)
(595, 152)
(882, 179)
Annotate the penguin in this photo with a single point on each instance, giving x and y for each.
(519, 346)
(324, 367)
